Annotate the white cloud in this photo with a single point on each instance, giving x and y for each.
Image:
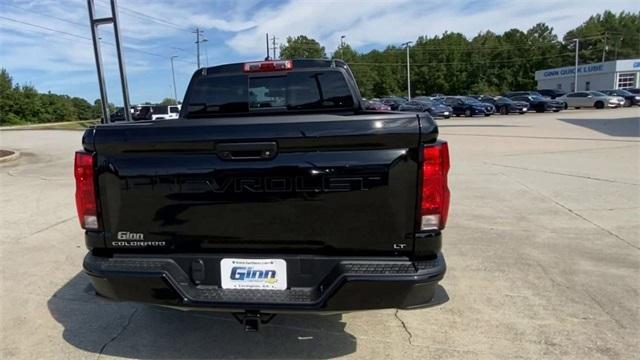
(379, 23)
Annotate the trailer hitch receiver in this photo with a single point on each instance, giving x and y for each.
(251, 320)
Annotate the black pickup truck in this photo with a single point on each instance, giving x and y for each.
(273, 192)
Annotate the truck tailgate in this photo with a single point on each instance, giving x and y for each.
(310, 184)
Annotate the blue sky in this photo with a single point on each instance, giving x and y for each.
(63, 62)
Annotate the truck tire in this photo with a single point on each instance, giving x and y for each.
(467, 113)
(599, 105)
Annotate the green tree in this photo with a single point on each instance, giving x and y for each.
(7, 99)
(302, 47)
(168, 101)
(615, 35)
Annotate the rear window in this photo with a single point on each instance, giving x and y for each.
(304, 90)
(160, 109)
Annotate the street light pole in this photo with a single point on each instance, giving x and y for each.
(575, 81)
(408, 70)
(342, 46)
(173, 75)
(206, 53)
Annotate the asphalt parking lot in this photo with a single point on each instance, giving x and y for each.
(542, 245)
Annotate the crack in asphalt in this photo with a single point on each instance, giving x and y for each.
(540, 137)
(126, 325)
(571, 288)
(571, 211)
(604, 310)
(45, 228)
(569, 151)
(404, 326)
(562, 174)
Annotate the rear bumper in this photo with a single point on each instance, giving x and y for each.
(347, 284)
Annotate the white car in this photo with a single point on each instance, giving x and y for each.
(157, 112)
(165, 112)
(594, 99)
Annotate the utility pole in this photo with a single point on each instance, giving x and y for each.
(408, 70)
(342, 46)
(604, 47)
(267, 38)
(173, 75)
(273, 42)
(619, 44)
(575, 81)
(198, 32)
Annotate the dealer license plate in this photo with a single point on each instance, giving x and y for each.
(259, 274)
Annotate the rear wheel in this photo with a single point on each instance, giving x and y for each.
(599, 105)
(487, 114)
(467, 113)
(556, 110)
(447, 116)
(539, 110)
(577, 107)
(504, 110)
(627, 103)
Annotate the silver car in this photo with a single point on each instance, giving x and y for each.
(594, 99)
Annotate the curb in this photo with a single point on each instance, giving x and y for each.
(9, 158)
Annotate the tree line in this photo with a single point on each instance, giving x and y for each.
(488, 63)
(20, 104)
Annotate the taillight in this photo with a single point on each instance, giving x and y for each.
(85, 191)
(267, 66)
(434, 197)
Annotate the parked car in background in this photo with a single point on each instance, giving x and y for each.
(540, 104)
(630, 99)
(375, 105)
(434, 108)
(635, 91)
(594, 99)
(505, 105)
(156, 112)
(464, 105)
(551, 93)
(487, 105)
(522, 93)
(393, 101)
(117, 115)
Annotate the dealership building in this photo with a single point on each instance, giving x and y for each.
(619, 74)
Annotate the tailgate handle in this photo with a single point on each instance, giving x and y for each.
(247, 151)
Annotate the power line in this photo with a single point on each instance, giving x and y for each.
(73, 22)
(47, 15)
(81, 37)
(45, 28)
(153, 18)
